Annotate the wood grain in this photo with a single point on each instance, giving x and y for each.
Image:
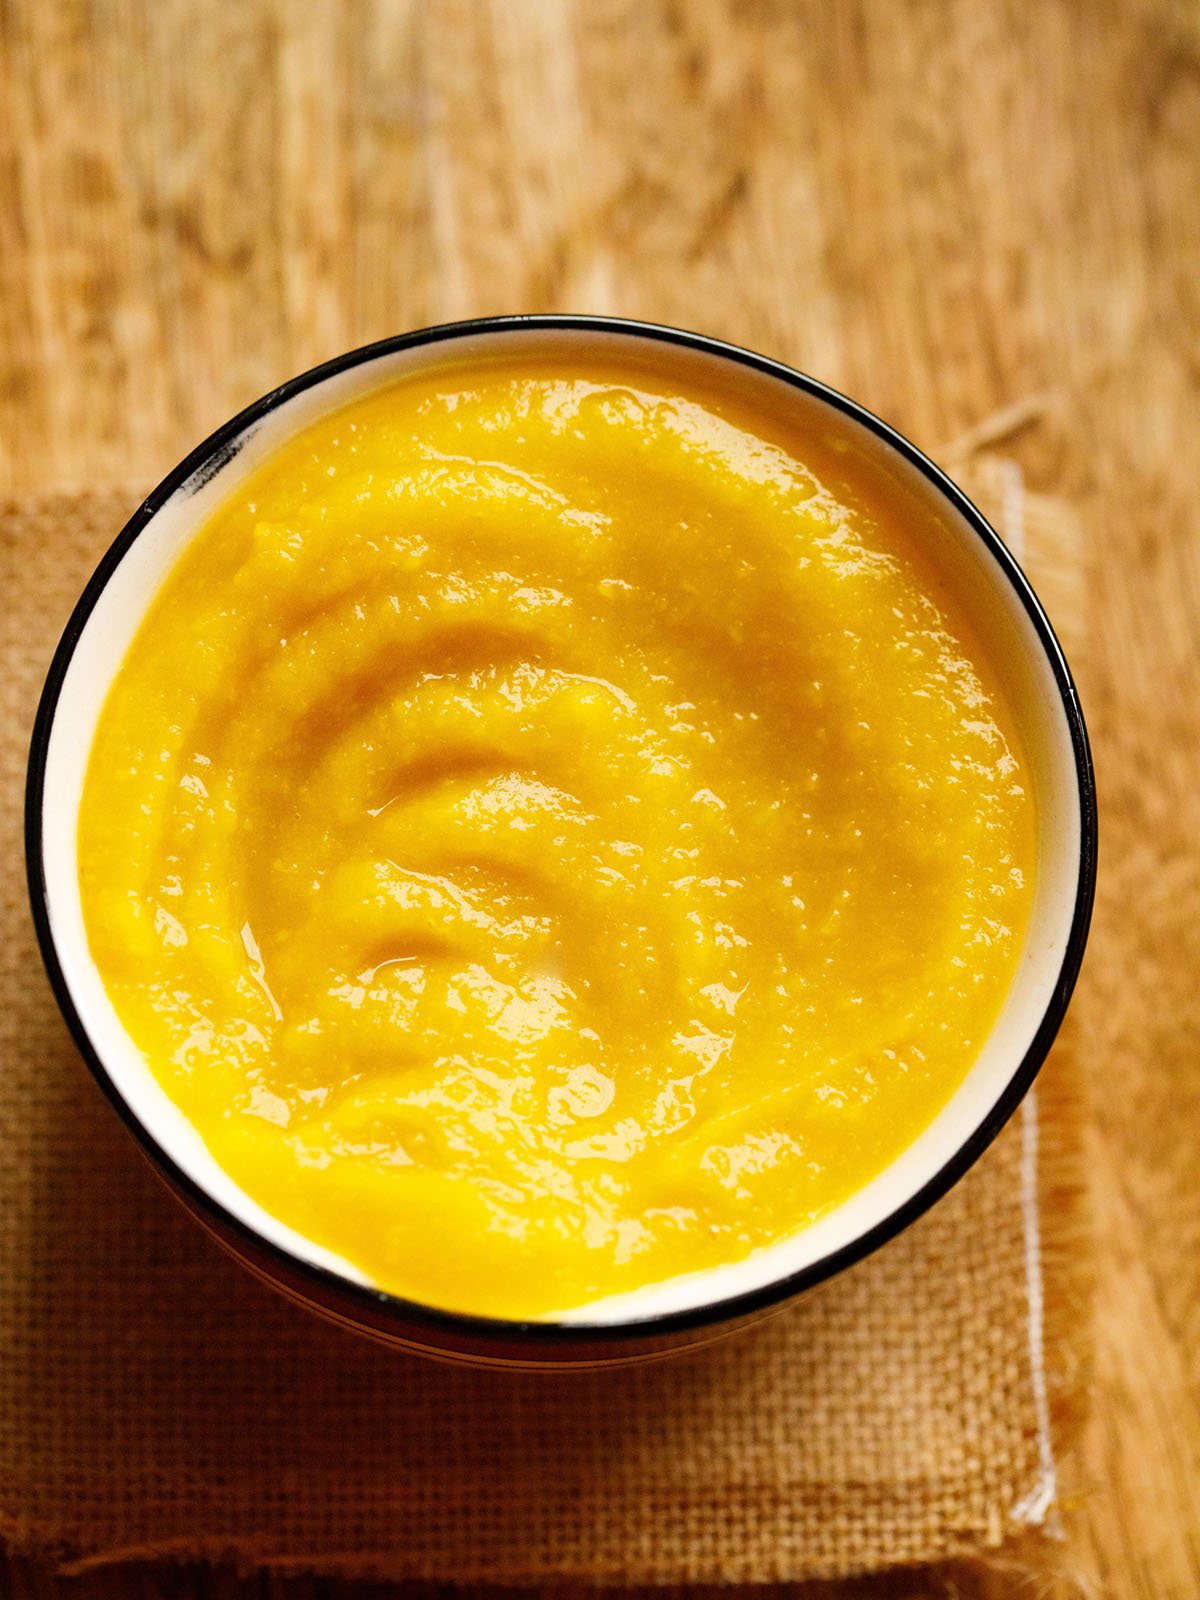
(976, 216)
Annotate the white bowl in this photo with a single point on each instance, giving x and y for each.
(695, 1307)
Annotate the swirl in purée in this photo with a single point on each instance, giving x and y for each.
(547, 842)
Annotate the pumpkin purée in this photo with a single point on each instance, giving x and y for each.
(551, 834)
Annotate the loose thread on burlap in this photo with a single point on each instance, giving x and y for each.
(1037, 1508)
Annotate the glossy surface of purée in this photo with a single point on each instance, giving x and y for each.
(555, 831)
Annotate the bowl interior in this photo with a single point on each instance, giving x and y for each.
(983, 586)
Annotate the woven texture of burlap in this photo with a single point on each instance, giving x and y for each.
(155, 1399)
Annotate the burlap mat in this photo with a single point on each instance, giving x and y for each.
(154, 1399)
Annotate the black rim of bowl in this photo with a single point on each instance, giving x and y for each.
(493, 1331)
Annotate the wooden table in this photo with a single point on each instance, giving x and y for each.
(972, 216)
